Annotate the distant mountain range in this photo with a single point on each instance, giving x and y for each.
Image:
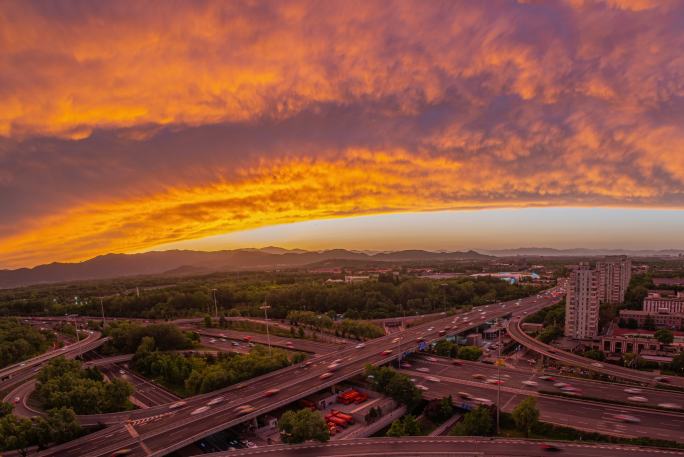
(551, 252)
(179, 263)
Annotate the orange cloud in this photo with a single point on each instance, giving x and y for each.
(125, 125)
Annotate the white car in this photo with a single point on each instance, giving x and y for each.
(432, 379)
(360, 345)
(638, 399)
(530, 383)
(633, 390)
(422, 387)
(597, 365)
(670, 405)
(423, 369)
(199, 410)
(430, 359)
(178, 404)
(214, 401)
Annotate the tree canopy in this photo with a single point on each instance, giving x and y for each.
(19, 341)
(303, 425)
(526, 415)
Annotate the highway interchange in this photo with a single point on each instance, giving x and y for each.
(161, 429)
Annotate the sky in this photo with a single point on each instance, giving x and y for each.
(129, 126)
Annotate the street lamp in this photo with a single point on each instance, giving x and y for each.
(102, 310)
(268, 335)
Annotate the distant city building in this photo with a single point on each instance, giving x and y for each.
(663, 303)
(668, 281)
(659, 320)
(582, 303)
(614, 276)
(354, 279)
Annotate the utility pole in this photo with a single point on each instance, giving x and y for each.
(102, 310)
(215, 305)
(265, 307)
(498, 384)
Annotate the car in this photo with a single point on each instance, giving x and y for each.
(215, 401)
(333, 366)
(406, 365)
(360, 346)
(432, 379)
(308, 363)
(662, 379)
(245, 409)
(386, 352)
(396, 340)
(597, 365)
(122, 372)
(223, 340)
(483, 401)
(547, 378)
(271, 392)
(457, 363)
(430, 329)
(423, 369)
(464, 395)
(22, 364)
(17, 399)
(178, 404)
(627, 418)
(121, 452)
(561, 385)
(213, 340)
(199, 410)
(430, 359)
(530, 383)
(235, 343)
(670, 405)
(637, 399)
(325, 375)
(496, 382)
(250, 444)
(633, 390)
(422, 387)
(549, 447)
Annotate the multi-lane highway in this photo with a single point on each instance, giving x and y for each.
(169, 429)
(295, 344)
(515, 377)
(516, 332)
(17, 373)
(421, 446)
(572, 412)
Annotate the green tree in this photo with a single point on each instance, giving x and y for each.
(5, 409)
(469, 353)
(62, 425)
(550, 333)
(406, 426)
(664, 336)
(299, 426)
(440, 410)
(445, 348)
(478, 422)
(526, 415)
(677, 364)
(207, 321)
(595, 354)
(16, 433)
(649, 323)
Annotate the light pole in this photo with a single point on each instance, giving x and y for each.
(268, 334)
(102, 310)
(215, 305)
(498, 384)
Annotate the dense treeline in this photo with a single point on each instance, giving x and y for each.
(389, 296)
(60, 425)
(20, 341)
(127, 336)
(347, 328)
(65, 383)
(194, 374)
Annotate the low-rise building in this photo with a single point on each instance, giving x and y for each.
(621, 340)
(659, 303)
(659, 320)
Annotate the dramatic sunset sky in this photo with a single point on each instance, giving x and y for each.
(128, 126)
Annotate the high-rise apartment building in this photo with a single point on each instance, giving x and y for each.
(582, 303)
(614, 275)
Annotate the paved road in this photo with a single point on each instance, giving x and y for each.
(576, 413)
(514, 377)
(297, 344)
(516, 332)
(174, 429)
(146, 393)
(421, 446)
(15, 374)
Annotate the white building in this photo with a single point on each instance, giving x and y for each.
(582, 303)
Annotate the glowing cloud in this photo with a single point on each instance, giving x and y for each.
(126, 125)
